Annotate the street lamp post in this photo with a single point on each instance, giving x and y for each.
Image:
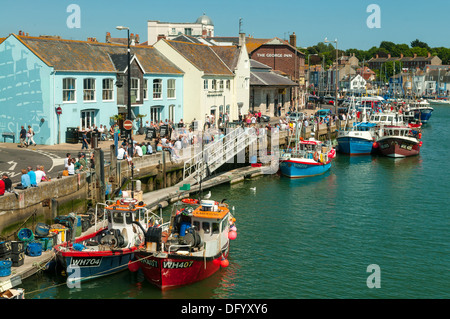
(130, 132)
(335, 74)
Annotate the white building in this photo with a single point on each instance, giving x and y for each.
(211, 85)
(203, 27)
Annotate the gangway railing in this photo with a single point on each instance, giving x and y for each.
(219, 152)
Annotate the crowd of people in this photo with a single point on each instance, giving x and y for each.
(29, 178)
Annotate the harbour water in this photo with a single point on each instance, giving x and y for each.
(315, 237)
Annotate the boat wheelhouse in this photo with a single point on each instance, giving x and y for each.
(109, 249)
(191, 247)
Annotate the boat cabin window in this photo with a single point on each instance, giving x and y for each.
(390, 118)
(196, 225)
(128, 217)
(117, 217)
(396, 132)
(215, 228)
(383, 118)
(205, 227)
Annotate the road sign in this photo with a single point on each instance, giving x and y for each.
(59, 110)
(128, 125)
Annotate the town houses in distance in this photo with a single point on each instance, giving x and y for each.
(179, 74)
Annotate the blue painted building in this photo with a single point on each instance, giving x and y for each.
(39, 75)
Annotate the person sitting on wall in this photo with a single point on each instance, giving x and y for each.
(32, 177)
(25, 180)
(40, 174)
(7, 181)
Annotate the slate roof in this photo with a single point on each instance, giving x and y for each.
(262, 75)
(81, 56)
(228, 54)
(202, 56)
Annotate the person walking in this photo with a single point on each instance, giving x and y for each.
(30, 135)
(84, 141)
(23, 136)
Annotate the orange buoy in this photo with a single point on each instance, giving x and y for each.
(224, 263)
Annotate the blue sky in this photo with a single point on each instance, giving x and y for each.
(402, 21)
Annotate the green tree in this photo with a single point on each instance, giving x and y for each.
(419, 44)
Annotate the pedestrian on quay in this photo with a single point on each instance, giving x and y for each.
(32, 176)
(30, 135)
(7, 181)
(66, 160)
(23, 136)
(121, 153)
(84, 141)
(83, 162)
(24, 180)
(71, 167)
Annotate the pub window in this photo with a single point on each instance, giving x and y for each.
(221, 84)
(157, 89)
(69, 90)
(228, 84)
(89, 90)
(214, 84)
(108, 90)
(171, 88)
(205, 84)
(145, 89)
(134, 89)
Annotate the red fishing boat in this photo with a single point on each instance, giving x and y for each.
(191, 247)
(400, 141)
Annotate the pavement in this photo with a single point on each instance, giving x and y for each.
(14, 158)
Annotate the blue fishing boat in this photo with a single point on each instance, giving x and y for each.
(110, 249)
(357, 139)
(307, 158)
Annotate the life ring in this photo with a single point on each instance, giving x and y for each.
(128, 201)
(316, 156)
(190, 201)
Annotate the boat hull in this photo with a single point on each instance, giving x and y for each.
(298, 169)
(394, 147)
(354, 145)
(90, 264)
(174, 270)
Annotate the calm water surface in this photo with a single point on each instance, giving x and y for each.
(315, 237)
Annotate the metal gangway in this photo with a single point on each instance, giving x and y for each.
(219, 152)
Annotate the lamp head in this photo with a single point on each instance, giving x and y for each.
(121, 28)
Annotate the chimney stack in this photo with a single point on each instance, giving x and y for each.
(429, 54)
(401, 55)
(160, 36)
(137, 39)
(293, 40)
(241, 40)
(132, 40)
(108, 37)
(415, 55)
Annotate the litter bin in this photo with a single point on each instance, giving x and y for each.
(72, 135)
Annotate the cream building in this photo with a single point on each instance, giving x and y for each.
(202, 27)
